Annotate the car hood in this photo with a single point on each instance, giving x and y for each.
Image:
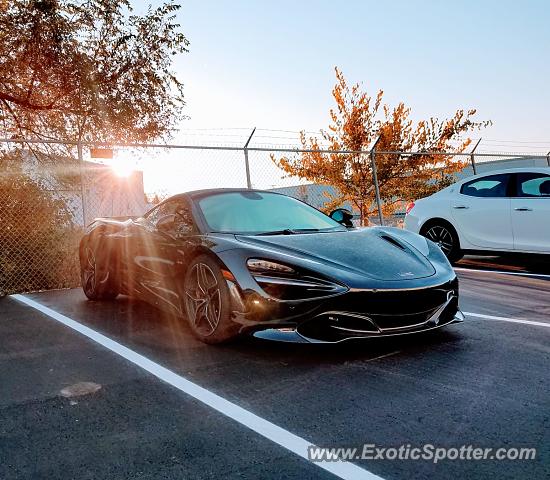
(376, 253)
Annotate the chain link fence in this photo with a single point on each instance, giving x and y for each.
(47, 197)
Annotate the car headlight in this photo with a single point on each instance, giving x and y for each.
(287, 283)
(257, 266)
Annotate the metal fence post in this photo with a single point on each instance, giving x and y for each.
(548, 158)
(246, 164)
(82, 190)
(472, 159)
(375, 181)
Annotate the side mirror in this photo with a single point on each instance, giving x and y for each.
(166, 222)
(343, 216)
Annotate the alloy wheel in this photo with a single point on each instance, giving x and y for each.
(442, 237)
(203, 298)
(89, 271)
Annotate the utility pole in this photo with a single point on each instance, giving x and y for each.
(375, 181)
(246, 164)
(472, 159)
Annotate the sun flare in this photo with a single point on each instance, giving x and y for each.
(121, 169)
(123, 165)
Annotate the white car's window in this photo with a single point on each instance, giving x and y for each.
(490, 186)
(533, 185)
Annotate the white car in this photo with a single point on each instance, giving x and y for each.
(497, 211)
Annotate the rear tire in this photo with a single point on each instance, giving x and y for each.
(444, 235)
(97, 272)
(207, 302)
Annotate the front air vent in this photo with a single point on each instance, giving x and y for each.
(393, 241)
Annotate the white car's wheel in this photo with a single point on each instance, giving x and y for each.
(445, 236)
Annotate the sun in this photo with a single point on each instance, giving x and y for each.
(124, 164)
(122, 169)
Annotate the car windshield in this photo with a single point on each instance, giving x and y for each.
(263, 212)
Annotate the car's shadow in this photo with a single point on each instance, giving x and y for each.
(140, 326)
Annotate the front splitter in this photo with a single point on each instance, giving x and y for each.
(290, 335)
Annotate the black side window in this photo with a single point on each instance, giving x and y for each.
(490, 186)
(533, 185)
(183, 222)
(179, 209)
(158, 212)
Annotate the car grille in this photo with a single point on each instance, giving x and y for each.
(391, 303)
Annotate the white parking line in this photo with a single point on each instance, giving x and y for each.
(502, 272)
(506, 319)
(276, 434)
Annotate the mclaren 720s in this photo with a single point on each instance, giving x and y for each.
(238, 261)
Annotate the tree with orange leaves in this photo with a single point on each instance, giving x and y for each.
(356, 123)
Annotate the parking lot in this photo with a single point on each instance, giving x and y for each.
(484, 383)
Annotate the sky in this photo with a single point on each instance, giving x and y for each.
(270, 64)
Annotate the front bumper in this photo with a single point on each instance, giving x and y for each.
(292, 335)
(369, 314)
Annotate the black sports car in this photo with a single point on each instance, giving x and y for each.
(236, 261)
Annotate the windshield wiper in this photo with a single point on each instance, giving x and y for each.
(286, 231)
(294, 231)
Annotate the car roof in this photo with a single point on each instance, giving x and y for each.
(214, 191)
(506, 170)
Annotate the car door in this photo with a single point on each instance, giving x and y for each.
(481, 210)
(177, 237)
(531, 212)
(160, 251)
(141, 254)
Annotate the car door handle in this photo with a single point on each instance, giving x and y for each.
(523, 209)
(460, 207)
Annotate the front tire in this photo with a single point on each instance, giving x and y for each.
(445, 236)
(207, 302)
(97, 273)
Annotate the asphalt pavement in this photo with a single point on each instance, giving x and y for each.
(484, 383)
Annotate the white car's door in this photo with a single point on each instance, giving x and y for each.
(481, 210)
(531, 213)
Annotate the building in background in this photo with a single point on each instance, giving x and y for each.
(488, 164)
(311, 193)
(107, 194)
(89, 189)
